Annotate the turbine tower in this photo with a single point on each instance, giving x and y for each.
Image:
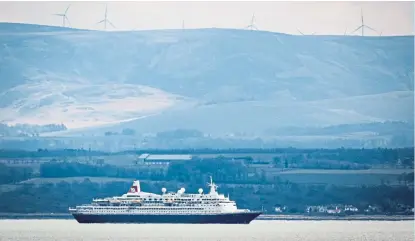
(252, 25)
(64, 16)
(105, 20)
(363, 26)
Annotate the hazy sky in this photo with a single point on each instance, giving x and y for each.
(390, 18)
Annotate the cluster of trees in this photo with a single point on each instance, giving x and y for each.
(39, 153)
(56, 198)
(10, 175)
(76, 169)
(125, 132)
(301, 161)
(221, 170)
(193, 171)
(383, 128)
(25, 130)
(367, 156)
(406, 178)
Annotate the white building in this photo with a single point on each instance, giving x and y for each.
(350, 208)
(280, 209)
(334, 211)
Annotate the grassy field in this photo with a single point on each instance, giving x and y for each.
(339, 177)
(342, 179)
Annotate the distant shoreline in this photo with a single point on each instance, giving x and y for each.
(35, 216)
(261, 217)
(336, 217)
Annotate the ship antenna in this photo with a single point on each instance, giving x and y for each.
(212, 186)
(211, 182)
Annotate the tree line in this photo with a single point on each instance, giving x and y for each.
(360, 156)
(14, 174)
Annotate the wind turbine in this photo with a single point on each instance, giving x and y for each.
(363, 26)
(105, 20)
(252, 25)
(64, 16)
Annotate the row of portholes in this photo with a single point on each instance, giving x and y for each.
(142, 209)
(147, 211)
(121, 209)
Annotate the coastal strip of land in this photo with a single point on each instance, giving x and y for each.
(261, 217)
(35, 216)
(337, 217)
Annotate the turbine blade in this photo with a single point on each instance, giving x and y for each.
(371, 29)
(111, 23)
(67, 9)
(101, 21)
(361, 14)
(69, 22)
(300, 31)
(357, 29)
(59, 14)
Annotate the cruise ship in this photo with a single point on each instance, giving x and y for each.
(136, 206)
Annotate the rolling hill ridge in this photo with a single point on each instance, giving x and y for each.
(213, 80)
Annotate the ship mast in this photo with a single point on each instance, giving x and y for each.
(212, 186)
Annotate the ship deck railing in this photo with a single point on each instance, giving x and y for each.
(156, 211)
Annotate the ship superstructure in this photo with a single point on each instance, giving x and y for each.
(136, 206)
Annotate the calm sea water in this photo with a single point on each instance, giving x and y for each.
(66, 230)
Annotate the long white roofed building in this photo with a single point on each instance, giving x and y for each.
(164, 159)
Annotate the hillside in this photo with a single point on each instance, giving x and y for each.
(214, 80)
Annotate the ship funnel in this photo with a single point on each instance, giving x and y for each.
(135, 188)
